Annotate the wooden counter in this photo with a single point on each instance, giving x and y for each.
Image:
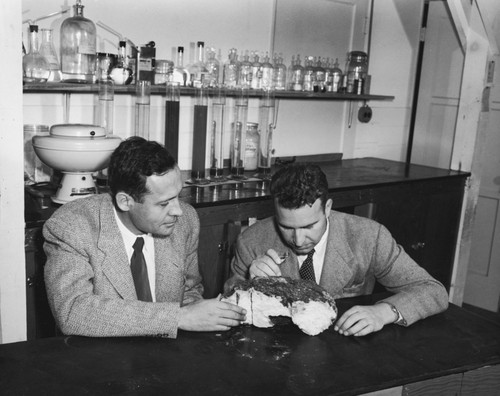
(456, 352)
(420, 206)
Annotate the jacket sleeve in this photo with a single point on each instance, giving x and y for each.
(416, 293)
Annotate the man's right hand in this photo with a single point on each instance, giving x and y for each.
(210, 315)
(266, 265)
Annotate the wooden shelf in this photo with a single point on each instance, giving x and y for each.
(188, 91)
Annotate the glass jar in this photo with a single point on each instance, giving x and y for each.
(78, 47)
(357, 71)
(163, 71)
(35, 66)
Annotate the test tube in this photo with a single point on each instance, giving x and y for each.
(239, 134)
(217, 135)
(172, 106)
(199, 136)
(266, 123)
(142, 105)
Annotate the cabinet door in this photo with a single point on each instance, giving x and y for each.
(424, 220)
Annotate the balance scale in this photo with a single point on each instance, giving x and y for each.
(77, 150)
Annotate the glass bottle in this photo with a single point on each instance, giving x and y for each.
(213, 69)
(35, 66)
(279, 75)
(256, 72)
(231, 69)
(319, 76)
(297, 76)
(48, 51)
(336, 77)
(245, 76)
(121, 74)
(309, 76)
(267, 73)
(180, 74)
(198, 69)
(78, 47)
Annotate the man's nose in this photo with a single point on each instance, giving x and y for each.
(298, 237)
(175, 208)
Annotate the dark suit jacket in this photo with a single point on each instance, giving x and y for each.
(88, 279)
(358, 252)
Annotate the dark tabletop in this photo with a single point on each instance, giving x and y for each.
(249, 361)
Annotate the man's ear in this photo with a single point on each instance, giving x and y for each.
(124, 201)
(328, 206)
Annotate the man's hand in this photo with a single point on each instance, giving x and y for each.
(210, 315)
(266, 265)
(363, 320)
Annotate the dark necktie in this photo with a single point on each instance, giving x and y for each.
(307, 269)
(140, 272)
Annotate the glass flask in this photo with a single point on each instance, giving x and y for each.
(357, 71)
(35, 66)
(48, 51)
(231, 69)
(238, 130)
(217, 135)
(122, 73)
(213, 69)
(78, 47)
(142, 108)
(266, 122)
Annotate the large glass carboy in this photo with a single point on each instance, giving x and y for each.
(78, 47)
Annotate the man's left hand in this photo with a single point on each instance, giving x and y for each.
(362, 320)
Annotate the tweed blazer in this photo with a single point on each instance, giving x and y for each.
(358, 252)
(89, 284)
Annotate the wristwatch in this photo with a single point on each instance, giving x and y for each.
(400, 320)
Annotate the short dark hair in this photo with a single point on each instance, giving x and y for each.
(132, 162)
(299, 184)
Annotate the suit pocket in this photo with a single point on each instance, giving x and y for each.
(354, 290)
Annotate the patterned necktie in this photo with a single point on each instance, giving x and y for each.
(140, 272)
(307, 269)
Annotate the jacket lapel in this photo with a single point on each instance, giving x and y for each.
(114, 258)
(336, 271)
(168, 267)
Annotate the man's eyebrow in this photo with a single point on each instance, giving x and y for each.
(304, 226)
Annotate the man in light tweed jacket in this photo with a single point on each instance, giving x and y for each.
(91, 288)
(344, 253)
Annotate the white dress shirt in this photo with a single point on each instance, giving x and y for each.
(148, 251)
